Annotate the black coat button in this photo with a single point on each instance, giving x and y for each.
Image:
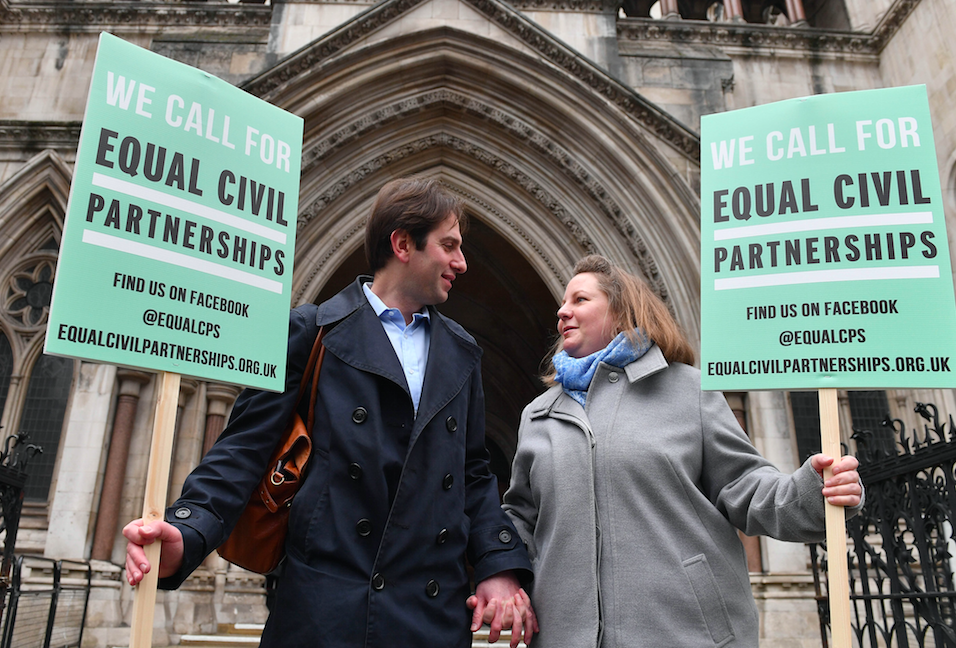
(360, 415)
(442, 536)
(505, 536)
(364, 527)
(432, 588)
(447, 482)
(378, 582)
(355, 470)
(451, 424)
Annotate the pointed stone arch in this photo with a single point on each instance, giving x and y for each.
(38, 192)
(33, 204)
(550, 163)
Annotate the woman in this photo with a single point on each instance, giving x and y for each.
(629, 483)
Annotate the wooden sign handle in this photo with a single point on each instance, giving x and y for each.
(838, 585)
(157, 479)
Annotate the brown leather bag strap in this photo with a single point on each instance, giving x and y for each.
(310, 419)
(310, 364)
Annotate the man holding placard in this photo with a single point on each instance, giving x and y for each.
(399, 490)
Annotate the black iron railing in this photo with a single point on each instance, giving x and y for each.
(14, 458)
(46, 606)
(902, 551)
(42, 601)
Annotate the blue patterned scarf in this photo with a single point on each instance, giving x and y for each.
(575, 374)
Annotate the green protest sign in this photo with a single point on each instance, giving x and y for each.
(179, 238)
(824, 257)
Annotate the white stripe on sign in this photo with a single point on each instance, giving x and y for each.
(181, 260)
(809, 225)
(826, 276)
(187, 206)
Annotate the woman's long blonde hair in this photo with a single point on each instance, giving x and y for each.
(631, 304)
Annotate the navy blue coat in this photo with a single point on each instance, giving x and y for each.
(392, 503)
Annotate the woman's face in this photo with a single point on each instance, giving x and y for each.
(584, 319)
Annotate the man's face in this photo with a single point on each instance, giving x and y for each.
(432, 269)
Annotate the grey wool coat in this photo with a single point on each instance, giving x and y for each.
(629, 508)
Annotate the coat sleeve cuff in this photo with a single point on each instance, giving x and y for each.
(202, 532)
(497, 549)
(814, 483)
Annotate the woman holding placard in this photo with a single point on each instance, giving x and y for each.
(629, 482)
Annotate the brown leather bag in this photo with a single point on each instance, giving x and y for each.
(257, 542)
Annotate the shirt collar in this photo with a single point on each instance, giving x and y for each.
(384, 311)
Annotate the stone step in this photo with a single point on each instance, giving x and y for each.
(219, 641)
(241, 629)
(229, 635)
(247, 635)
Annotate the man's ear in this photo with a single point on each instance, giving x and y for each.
(402, 244)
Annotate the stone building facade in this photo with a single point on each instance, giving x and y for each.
(567, 126)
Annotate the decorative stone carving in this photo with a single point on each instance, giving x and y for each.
(590, 6)
(575, 172)
(659, 122)
(330, 250)
(27, 292)
(131, 15)
(756, 37)
(515, 227)
(32, 136)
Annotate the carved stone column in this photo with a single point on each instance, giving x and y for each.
(13, 396)
(108, 514)
(219, 399)
(669, 10)
(796, 14)
(187, 443)
(751, 543)
(733, 10)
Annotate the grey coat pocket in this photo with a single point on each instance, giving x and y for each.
(711, 603)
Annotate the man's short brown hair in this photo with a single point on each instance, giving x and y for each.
(415, 205)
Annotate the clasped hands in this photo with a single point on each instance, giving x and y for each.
(501, 603)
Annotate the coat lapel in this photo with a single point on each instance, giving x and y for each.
(358, 338)
(451, 360)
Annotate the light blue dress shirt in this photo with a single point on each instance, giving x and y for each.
(411, 343)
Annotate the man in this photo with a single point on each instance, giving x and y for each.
(398, 489)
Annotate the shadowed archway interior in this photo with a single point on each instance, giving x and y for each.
(506, 306)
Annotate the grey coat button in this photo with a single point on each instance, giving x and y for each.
(355, 471)
(378, 582)
(363, 527)
(447, 481)
(451, 424)
(432, 588)
(182, 513)
(360, 415)
(505, 536)
(613, 377)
